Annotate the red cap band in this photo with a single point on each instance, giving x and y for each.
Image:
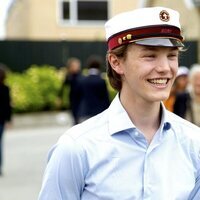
(131, 35)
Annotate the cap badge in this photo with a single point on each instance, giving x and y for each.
(164, 16)
(124, 38)
(119, 40)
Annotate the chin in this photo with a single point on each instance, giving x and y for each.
(160, 97)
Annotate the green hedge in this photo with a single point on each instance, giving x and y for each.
(37, 89)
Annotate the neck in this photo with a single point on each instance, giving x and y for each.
(145, 116)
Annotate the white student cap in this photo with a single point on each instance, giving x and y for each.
(152, 26)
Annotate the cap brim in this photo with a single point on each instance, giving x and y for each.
(165, 42)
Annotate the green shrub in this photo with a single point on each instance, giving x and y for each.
(35, 89)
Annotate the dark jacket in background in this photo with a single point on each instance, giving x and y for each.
(73, 80)
(182, 104)
(95, 97)
(5, 107)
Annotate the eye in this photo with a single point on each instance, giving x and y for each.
(149, 56)
(173, 56)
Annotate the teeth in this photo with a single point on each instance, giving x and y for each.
(158, 81)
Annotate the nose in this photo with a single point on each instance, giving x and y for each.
(163, 65)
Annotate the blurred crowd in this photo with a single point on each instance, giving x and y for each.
(184, 99)
(88, 93)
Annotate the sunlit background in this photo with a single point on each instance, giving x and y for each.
(36, 39)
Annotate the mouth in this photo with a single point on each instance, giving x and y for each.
(158, 81)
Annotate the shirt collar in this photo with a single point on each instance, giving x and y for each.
(165, 119)
(119, 119)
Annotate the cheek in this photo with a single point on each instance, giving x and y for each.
(174, 68)
(174, 71)
(132, 77)
(128, 72)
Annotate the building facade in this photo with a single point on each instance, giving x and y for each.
(83, 20)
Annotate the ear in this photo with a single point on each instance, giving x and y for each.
(115, 63)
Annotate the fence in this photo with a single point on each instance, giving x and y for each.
(19, 55)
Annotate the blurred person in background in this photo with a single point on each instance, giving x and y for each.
(179, 86)
(5, 110)
(94, 92)
(73, 76)
(187, 104)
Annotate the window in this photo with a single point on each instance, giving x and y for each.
(80, 11)
(88, 10)
(65, 11)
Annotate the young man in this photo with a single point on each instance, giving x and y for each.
(135, 149)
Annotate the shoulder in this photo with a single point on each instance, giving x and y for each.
(80, 140)
(4, 89)
(187, 136)
(184, 128)
(90, 129)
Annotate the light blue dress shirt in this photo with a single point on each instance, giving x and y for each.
(195, 194)
(108, 158)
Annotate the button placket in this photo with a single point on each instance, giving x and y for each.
(146, 177)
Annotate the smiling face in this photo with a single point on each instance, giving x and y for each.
(147, 72)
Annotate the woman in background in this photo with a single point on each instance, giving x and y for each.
(5, 109)
(187, 104)
(179, 86)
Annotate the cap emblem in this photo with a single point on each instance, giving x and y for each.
(164, 16)
(119, 40)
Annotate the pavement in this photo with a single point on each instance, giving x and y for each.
(26, 144)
